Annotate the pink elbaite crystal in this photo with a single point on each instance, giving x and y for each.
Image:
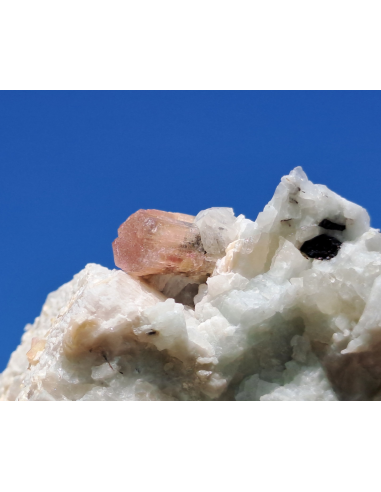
(153, 242)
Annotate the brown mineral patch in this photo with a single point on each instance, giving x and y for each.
(79, 338)
(38, 345)
(355, 376)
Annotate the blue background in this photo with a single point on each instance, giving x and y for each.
(75, 165)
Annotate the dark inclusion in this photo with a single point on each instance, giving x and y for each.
(331, 226)
(321, 247)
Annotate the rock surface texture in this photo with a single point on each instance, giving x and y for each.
(218, 307)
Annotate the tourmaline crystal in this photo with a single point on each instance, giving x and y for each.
(154, 242)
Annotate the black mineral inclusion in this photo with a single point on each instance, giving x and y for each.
(328, 224)
(321, 247)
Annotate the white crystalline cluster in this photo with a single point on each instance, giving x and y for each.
(273, 322)
(218, 228)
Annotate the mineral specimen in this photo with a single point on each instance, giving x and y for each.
(218, 307)
(174, 252)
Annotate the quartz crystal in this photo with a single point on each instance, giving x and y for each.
(218, 307)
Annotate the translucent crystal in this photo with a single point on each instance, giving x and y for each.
(155, 242)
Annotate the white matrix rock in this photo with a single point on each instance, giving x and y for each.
(272, 322)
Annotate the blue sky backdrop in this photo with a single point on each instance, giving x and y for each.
(75, 165)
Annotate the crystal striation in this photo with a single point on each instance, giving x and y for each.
(217, 307)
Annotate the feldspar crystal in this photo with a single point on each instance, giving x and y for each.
(218, 307)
